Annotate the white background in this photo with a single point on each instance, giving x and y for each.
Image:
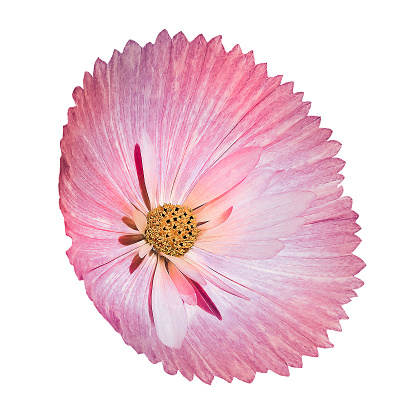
(58, 356)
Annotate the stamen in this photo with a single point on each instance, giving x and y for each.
(171, 229)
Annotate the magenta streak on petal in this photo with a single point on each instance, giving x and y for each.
(182, 284)
(204, 301)
(140, 175)
(150, 167)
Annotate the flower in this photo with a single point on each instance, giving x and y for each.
(205, 210)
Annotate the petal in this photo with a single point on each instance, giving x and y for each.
(213, 277)
(259, 214)
(242, 234)
(168, 310)
(184, 265)
(129, 222)
(130, 239)
(216, 221)
(226, 174)
(140, 221)
(185, 289)
(249, 250)
(252, 187)
(253, 229)
(123, 297)
(145, 249)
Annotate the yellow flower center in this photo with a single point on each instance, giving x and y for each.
(171, 229)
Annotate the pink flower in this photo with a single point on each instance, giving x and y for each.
(205, 210)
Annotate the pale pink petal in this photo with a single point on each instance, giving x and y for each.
(242, 234)
(252, 187)
(253, 229)
(183, 264)
(216, 221)
(310, 176)
(226, 174)
(140, 221)
(252, 249)
(274, 209)
(145, 249)
(168, 310)
(186, 291)
(213, 277)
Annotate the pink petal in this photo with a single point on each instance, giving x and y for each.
(186, 291)
(168, 310)
(216, 221)
(140, 221)
(140, 177)
(249, 189)
(184, 265)
(264, 212)
(226, 174)
(225, 89)
(256, 249)
(215, 278)
(243, 234)
(145, 249)
(252, 230)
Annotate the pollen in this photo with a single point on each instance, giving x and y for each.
(171, 229)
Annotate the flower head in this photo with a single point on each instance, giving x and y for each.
(205, 210)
